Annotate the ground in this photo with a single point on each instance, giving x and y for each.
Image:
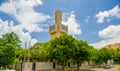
(114, 68)
(86, 68)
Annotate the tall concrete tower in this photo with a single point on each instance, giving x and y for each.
(58, 28)
(58, 19)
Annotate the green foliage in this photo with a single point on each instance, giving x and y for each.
(93, 54)
(19, 54)
(99, 58)
(61, 49)
(1, 47)
(104, 55)
(65, 48)
(81, 52)
(12, 38)
(117, 56)
(8, 43)
(107, 55)
(8, 55)
(39, 52)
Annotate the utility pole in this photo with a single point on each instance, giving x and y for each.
(29, 47)
(25, 51)
(29, 50)
(23, 65)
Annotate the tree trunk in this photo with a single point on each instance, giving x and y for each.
(4, 68)
(78, 67)
(105, 63)
(62, 68)
(88, 63)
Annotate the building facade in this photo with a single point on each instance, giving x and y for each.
(58, 28)
(113, 46)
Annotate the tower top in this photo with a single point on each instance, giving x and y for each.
(58, 11)
(58, 28)
(58, 17)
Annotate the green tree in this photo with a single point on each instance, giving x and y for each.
(104, 55)
(38, 52)
(8, 55)
(98, 59)
(8, 43)
(19, 54)
(107, 55)
(1, 46)
(80, 53)
(92, 54)
(117, 56)
(12, 38)
(61, 49)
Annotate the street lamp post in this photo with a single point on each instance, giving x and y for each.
(23, 66)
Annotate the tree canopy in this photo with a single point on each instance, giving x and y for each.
(61, 49)
(66, 49)
(103, 56)
(8, 43)
(81, 52)
(39, 52)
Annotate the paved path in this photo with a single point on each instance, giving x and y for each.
(102, 69)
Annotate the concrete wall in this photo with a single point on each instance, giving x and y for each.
(92, 63)
(18, 66)
(27, 66)
(72, 64)
(44, 65)
(86, 63)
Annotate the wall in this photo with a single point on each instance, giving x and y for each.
(44, 65)
(28, 66)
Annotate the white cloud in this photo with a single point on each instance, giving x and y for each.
(31, 3)
(73, 26)
(33, 41)
(6, 27)
(105, 42)
(115, 12)
(110, 35)
(110, 32)
(23, 11)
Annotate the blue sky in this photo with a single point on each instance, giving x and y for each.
(96, 21)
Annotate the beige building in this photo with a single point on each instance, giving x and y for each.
(113, 46)
(58, 28)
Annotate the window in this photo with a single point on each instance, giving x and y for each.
(52, 28)
(64, 28)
